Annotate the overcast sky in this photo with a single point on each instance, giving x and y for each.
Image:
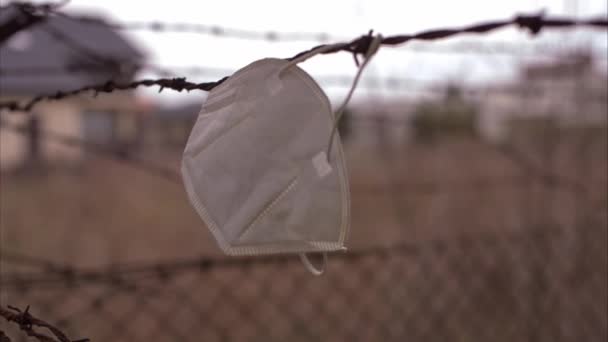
(347, 18)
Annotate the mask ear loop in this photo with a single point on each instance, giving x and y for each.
(373, 48)
(305, 56)
(309, 54)
(310, 267)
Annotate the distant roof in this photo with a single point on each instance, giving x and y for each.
(38, 50)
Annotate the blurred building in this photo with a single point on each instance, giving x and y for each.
(569, 94)
(449, 113)
(56, 54)
(165, 132)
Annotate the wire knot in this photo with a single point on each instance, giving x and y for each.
(533, 23)
(108, 87)
(361, 46)
(178, 83)
(23, 318)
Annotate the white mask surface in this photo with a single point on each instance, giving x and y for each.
(256, 168)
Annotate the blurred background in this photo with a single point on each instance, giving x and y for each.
(478, 168)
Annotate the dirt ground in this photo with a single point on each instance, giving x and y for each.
(106, 212)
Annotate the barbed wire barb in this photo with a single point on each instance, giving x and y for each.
(273, 36)
(177, 84)
(533, 23)
(27, 322)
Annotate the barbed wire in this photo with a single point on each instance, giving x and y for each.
(522, 274)
(172, 71)
(122, 273)
(533, 23)
(27, 323)
(177, 84)
(385, 83)
(220, 31)
(400, 83)
(278, 36)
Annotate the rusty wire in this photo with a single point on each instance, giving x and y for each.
(53, 273)
(177, 84)
(532, 23)
(475, 286)
(27, 323)
(403, 83)
(157, 26)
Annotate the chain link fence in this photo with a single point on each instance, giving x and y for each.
(538, 284)
(458, 237)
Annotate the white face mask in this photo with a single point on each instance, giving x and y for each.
(256, 168)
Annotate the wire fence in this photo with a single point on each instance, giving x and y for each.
(542, 280)
(220, 31)
(359, 46)
(536, 270)
(539, 284)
